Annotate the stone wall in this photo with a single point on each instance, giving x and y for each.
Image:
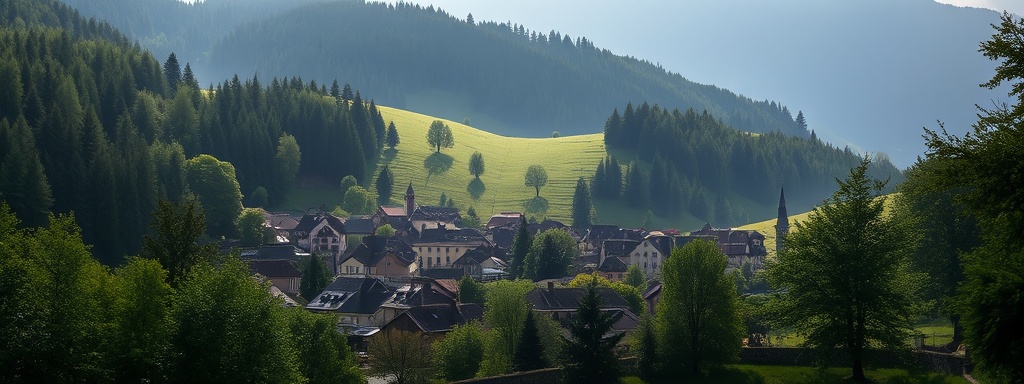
(926, 360)
(540, 376)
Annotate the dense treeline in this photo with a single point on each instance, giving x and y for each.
(694, 162)
(96, 128)
(531, 82)
(53, 13)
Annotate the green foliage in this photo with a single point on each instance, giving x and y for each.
(645, 343)
(385, 185)
(358, 201)
(521, 245)
(846, 274)
(476, 164)
(392, 138)
(505, 316)
(581, 206)
(251, 227)
(635, 277)
(458, 355)
(258, 198)
(315, 277)
(347, 182)
(536, 177)
(22, 181)
(406, 356)
(440, 135)
(698, 319)
(471, 220)
(228, 327)
(550, 255)
(980, 170)
(178, 228)
(385, 231)
(530, 351)
(173, 72)
(632, 295)
(140, 339)
(214, 183)
(588, 355)
(323, 353)
(471, 291)
(288, 159)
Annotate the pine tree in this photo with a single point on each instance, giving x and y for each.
(385, 185)
(188, 78)
(636, 187)
(581, 205)
(530, 351)
(589, 356)
(335, 90)
(315, 277)
(172, 70)
(598, 183)
(346, 93)
(392, 138)
(22, 181)
(520, 248)
(614, 178)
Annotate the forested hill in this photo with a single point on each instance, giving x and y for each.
(103, 130)
(500, 75)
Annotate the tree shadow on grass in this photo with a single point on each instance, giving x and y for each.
(537, 206)
(437, 164)
(388, 155)
(476, 188)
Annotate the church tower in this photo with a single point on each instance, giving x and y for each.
(410, 201)
(782, 225)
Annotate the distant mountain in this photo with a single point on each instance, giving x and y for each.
(866, 73)
(507, 78)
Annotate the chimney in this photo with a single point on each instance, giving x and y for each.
(551, 286)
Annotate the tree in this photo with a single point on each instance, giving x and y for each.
(588, 355)
(214, 183)
(178, 228)
(391, 139)
(172, 70)
(635, 277)
(403, 355)
(476, 164)
(288, 159)
(385, 231)
(801, 122)
(385, 185)
(188, 78)
(846, 274)
(631, 294)
(636, 187)
(315, 277)
(505, 316)
(981, 169)
(141, 336)
(358, 201)
(581, 206)
(323, 353)
(530, 351)
(700, 326)
(459, 354)
(228, 327)
(645, 343)
(346, 93)
(251, 227)
(23, 183)
(536, 177)
(550, 255)
(258, 197)
(439, 135)
(520, 248)
(471, 291)
(348, 182)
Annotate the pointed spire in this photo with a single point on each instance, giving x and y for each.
(409, 191)
(783, 220)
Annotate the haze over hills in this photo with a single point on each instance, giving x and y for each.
(867, 73)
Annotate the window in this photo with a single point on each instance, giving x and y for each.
(609, 276)
(645, 255)
(439, 260)
(445, 249)
(447, 260)
(620, 276)
(645, 264)
(430, 262)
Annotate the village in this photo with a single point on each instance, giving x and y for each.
(410, 281)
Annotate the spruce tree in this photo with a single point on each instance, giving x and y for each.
(392, 138)
(589, 357)
(520, 248)
(315, 277)
(385, 185)
(599, 181)
(613, 172)
(581, 205)
(636, 187)
(172, 71)
(530, 351)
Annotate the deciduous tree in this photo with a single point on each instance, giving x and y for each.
(251, 227)
(405, 356)
(214, 183)
(459, 354)
(536, 177)
(439, 135)
(476, 164)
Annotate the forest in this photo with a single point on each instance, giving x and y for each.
(529, 83)
(94, 125)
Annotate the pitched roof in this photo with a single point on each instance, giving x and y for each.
(359, 225)
(451, 235)
(275, 252)
(569, 298)
(280, 220)
(663, 244)
(618, 247)
(612, 264)
(504, 218)
(274, 268)
(549, 224)
(442, 273)
(476, 256)
(360, 295)
(434, 213)
(420, 292)
(442, 318)
(373, 248)
(393, 211)
(652, 291)
(503, 236)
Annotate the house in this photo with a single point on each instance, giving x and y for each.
(439, 247)
(613, 269)
(393, 216)
(503, 236)
(417, 293)
(504, 218)
(275, 252)
(482, 264)
(281, 273)
(597, 234)
(548, 224)
(442, 273)
(560, 304)
(651, 253)
(651, 296)
(281, 224)
(618, 249)
(354, 300)
(434, 321)
(429, 217)
(380, 257)
(322, 233)
(740, 246)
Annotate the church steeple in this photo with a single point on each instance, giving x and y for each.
(410, 201)
(782, 224)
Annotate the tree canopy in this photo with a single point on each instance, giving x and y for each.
(536, 177)
(476, 164)
(439, 135)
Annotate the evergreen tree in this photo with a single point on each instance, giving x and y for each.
(188, 78)
(335, 90)
(315, 277)
(443, 200)
(645, 343)
(801, 122)
(520, 248)
(581, 206)
(598, 183)
(172, 71)
(392, 138)
(530, 351)
(614, 178)
(346, 93)
(23, 183)
(589, 356)
(659, 189)
(636, 191)
(385, 185)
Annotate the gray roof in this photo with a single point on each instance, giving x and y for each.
(359, 225)
(274, 268)
(569, 298)
(276, 252)
(359, 295)
(612, 264)
(443, 318)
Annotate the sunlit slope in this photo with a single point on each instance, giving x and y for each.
(501, 187)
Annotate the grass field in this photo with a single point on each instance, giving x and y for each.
(772, 374)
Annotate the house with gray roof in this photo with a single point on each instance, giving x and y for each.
(353, 299)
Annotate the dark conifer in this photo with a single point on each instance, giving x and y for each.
(172, 71)
(530, 351)
(392, 138)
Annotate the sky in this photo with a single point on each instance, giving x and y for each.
(1014, 6)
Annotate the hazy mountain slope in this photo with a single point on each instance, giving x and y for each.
(428, 61)
(869, 73)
